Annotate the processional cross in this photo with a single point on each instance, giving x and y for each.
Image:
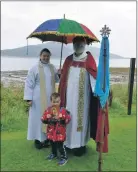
(105, 31)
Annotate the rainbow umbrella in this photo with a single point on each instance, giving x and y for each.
(62, 30)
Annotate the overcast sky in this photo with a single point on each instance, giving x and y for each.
(19, 19)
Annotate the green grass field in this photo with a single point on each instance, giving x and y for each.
(121, 70)
(18, 154)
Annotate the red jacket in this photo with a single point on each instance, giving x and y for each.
(56, 131)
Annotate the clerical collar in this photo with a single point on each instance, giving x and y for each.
(82, 57)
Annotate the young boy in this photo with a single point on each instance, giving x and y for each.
(56, 119)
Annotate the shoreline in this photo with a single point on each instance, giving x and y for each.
(17, 78)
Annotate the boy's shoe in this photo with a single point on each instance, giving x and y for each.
(51, 157)
(62, 161)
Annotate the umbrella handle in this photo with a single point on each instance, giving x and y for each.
(27, 48)
(61, 55)
(61, 49)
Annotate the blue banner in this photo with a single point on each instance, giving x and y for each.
(103, 95)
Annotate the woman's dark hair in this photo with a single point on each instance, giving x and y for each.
(45, 50)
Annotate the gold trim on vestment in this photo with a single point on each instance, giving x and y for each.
(43, 97)
(81, 99)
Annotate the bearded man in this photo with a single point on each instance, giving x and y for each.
(76, 88)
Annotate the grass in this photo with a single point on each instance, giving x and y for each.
(121, 70)
(18, 154)
(13, 109)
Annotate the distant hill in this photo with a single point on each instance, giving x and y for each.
(54, 47)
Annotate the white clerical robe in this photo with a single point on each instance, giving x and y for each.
(74, 138)
(32, 92)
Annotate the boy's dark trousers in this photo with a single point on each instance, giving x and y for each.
(58, 146)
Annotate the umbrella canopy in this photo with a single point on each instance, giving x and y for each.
(62, 30)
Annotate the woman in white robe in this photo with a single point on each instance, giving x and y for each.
(32, 95)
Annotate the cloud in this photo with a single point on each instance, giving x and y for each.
(19, 19)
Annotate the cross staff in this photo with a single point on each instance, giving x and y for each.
(105, 33)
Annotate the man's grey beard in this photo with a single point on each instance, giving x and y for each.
(79, 51)
(44, 62)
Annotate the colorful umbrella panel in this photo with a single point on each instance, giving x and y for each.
(62, 30)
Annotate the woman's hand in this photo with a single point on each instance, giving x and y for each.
(29, 102)
(27, 105)
(59, 71)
